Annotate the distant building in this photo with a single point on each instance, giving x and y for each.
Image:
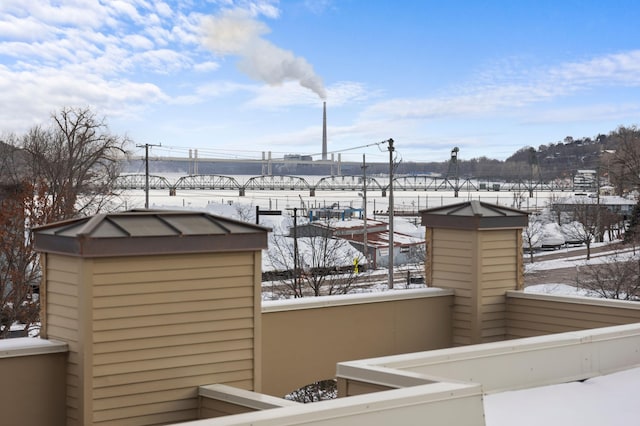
(298, 157)
(613, 203)
(585, 180)
(406, 248)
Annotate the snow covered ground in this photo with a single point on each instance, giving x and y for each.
(605, 400)
(572, 259)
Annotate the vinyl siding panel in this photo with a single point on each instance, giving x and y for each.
(62, 275)
(162, 326)
(498, 274)
(453, 267)
(535, 315)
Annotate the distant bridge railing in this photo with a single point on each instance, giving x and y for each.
(207, 182)
(331, 183)
(138, 181)
(346, 182)
(277, 183)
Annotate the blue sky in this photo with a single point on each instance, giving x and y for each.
(238, 78)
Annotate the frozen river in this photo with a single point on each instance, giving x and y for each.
(288, 199)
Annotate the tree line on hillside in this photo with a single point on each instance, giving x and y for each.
(615, 155)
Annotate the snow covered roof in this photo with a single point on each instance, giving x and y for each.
(474, 214)
(149, 232)
(605, 200)
(381, 239)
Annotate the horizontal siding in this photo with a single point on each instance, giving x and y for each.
(164, 330)
(183, 262)
(170, 308)
(180, 411)
(189, 317)
(62, 277)
(163, 367)
(149, 354)
(217, 372)
(534, 317)
(164, 325)
(161, 280)
(177, 295)
(453, 268)
(498, 274)
(451, 262)
(132, 346)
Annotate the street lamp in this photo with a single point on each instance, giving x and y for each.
(391, 207)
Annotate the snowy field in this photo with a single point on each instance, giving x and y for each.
(576, 261)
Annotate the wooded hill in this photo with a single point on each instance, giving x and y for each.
(547, 162)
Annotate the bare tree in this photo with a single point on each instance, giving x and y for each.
(245, 212)
(324, 263)
(79, 160)
(625, 162)
(51, 173)
(555, 208)
(532, 236)
(22, 206)
(586, 222)
(617, 278)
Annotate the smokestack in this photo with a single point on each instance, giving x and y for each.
(324, 130)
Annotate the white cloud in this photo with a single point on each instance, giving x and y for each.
(207, 66)
(138, 41)
(163, 9)
(620, 68)
(127, 9)
(517, 88)
(161, 61)
(14, 28)
(54, 88)
(82, 13)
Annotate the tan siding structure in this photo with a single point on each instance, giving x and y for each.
(221, 400)
(146, 329)
(472, 248)
(60, 321)
(305, 338)
(33, 382)
(540, 314)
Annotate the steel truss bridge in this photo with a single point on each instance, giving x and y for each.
(330, 183)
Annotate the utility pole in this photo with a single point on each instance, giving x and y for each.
(295, 251)
(146, 172)
(364, 207)
(391, 207)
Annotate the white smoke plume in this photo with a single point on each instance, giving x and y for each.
(236, 32)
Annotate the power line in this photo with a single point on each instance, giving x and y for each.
(226, 153)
